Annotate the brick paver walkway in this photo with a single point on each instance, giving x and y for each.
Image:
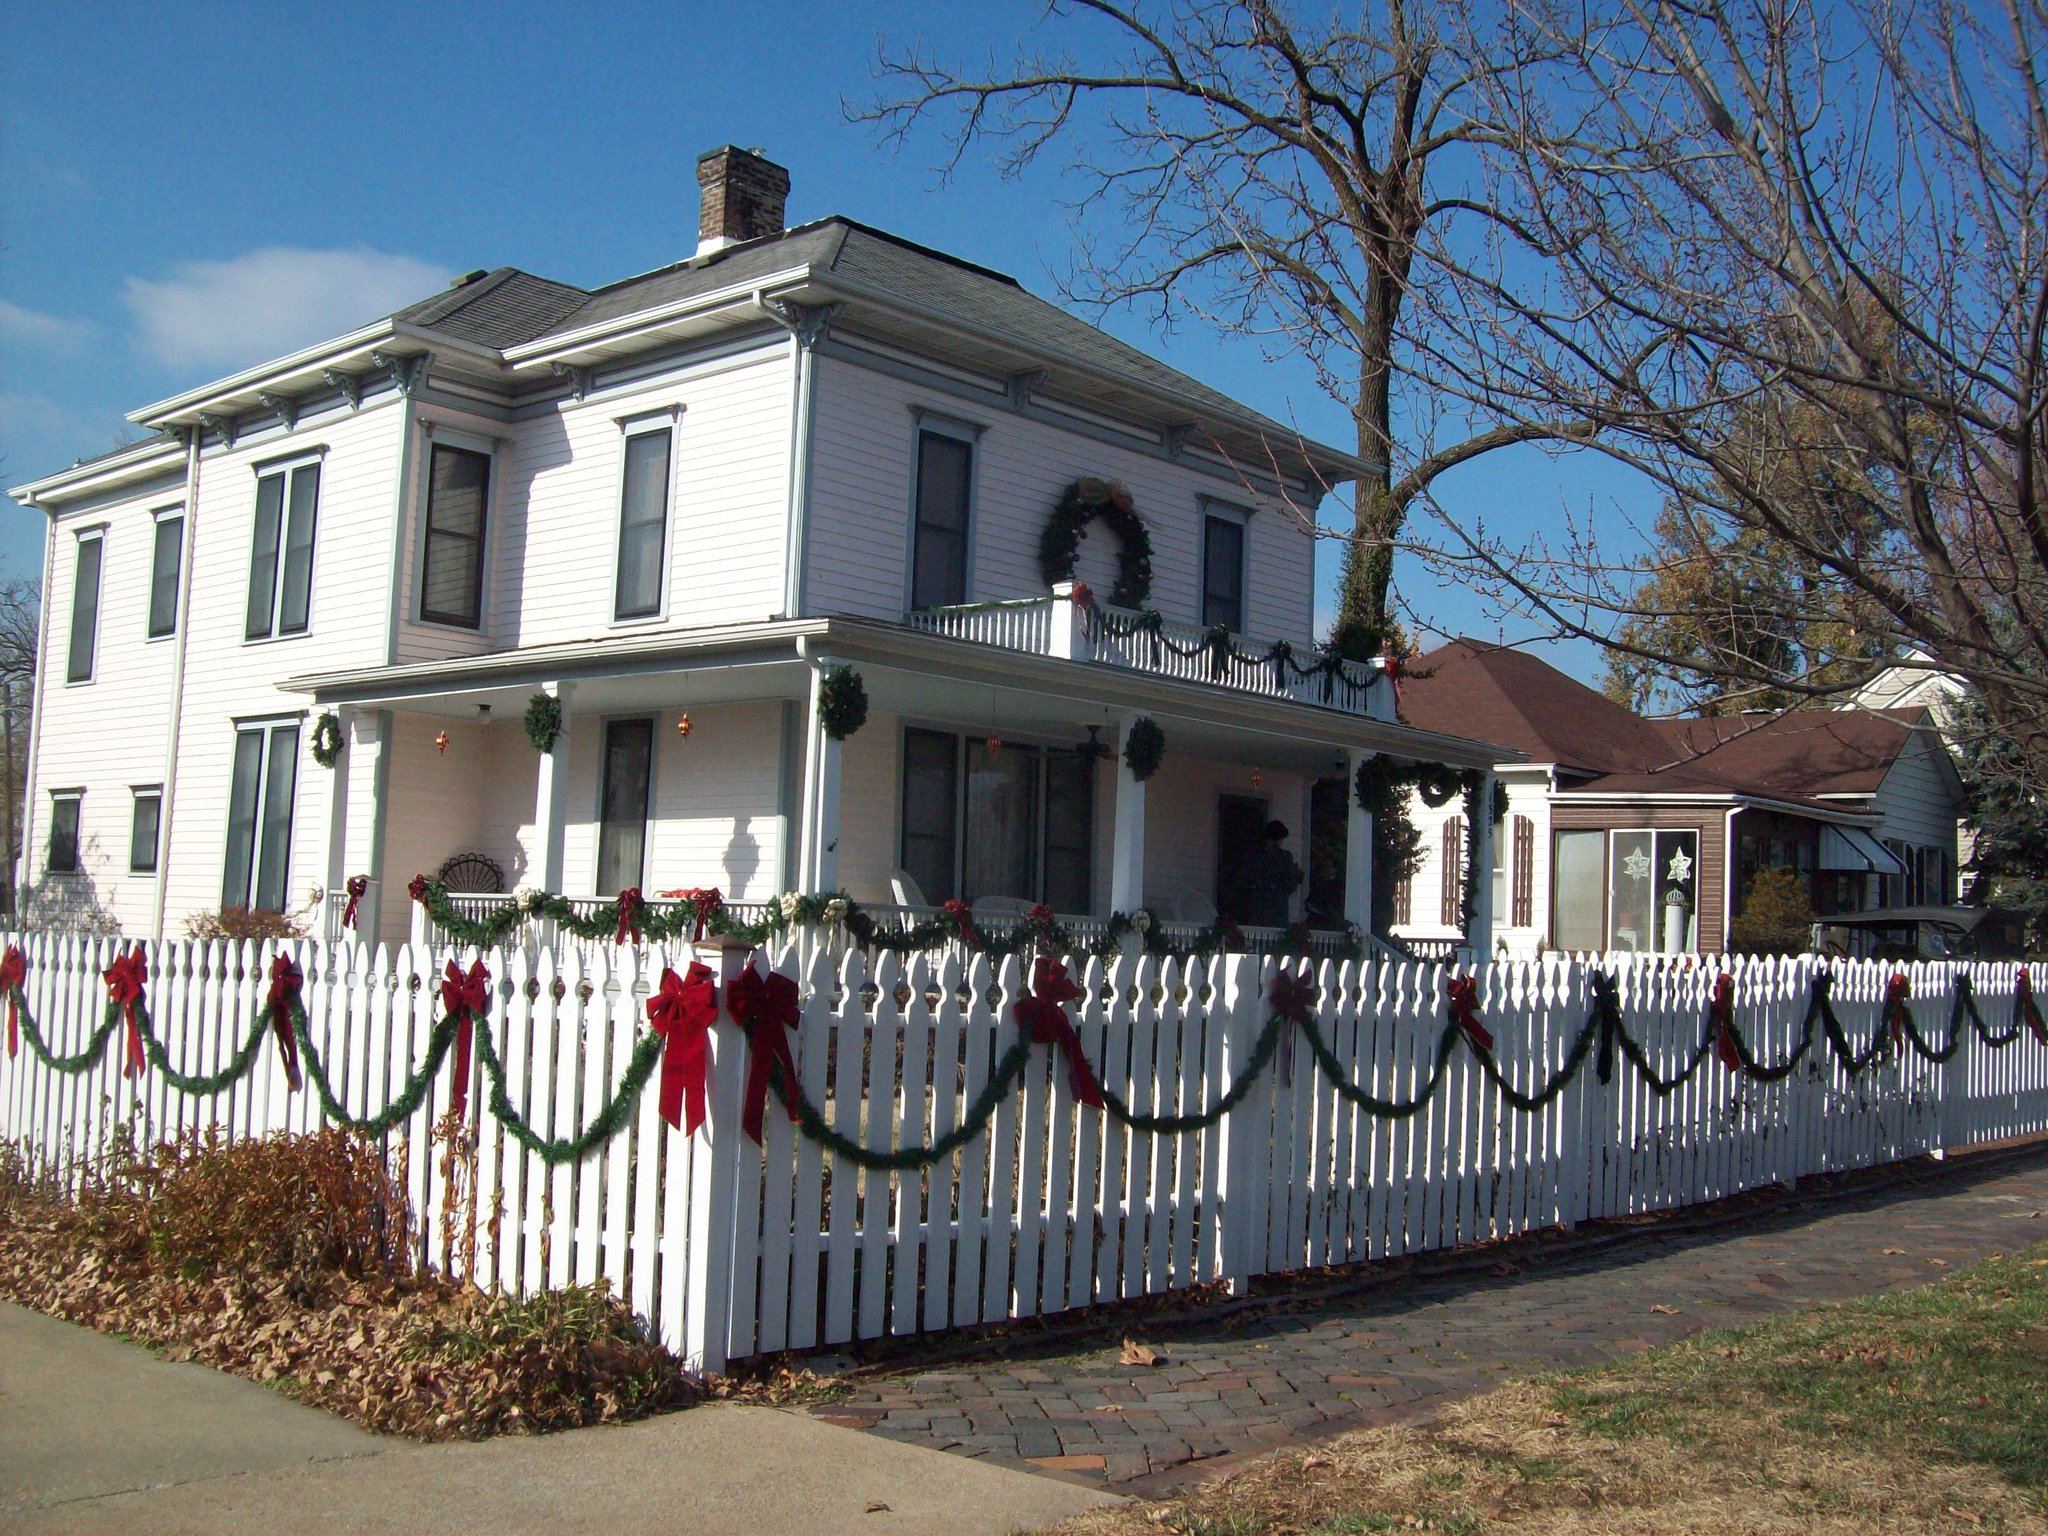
(1236, 1385)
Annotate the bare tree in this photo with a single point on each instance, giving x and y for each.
(1794, 260)
(1309, 182)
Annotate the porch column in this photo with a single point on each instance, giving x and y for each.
(1127, 849)
(1480, 936)
(336, 876)
(551, 799)
(818, 865)
(1357, 849)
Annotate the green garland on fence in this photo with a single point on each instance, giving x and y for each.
(1603, 1030)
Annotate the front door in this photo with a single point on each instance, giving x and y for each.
(1240, 828)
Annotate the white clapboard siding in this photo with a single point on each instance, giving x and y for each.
(726, 1248)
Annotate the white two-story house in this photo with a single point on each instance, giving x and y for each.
(671, 507)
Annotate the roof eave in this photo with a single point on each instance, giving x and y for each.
(83, 479)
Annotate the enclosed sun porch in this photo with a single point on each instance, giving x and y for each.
(993, 767)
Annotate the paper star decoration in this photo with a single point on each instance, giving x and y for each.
(1681, 866)
(1637, 865)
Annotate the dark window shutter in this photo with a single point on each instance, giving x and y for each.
(1525, 872)
(1452, 887)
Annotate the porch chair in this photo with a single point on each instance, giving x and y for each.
(906, 890)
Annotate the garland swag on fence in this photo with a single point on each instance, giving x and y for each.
(767, 1007)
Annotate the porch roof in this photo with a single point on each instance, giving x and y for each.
(908, 672)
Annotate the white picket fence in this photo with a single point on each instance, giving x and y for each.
(729, 1249)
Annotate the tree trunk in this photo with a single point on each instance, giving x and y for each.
(1363, 621)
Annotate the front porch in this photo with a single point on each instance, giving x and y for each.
(983, 775)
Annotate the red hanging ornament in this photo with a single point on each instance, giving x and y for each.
(683, 726)
(995, 743)
(1258, 778)
(441, 742)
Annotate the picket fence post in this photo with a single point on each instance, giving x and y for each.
(714, 1177)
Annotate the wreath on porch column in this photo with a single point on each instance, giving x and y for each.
(842, 702)
(327, 739)
(543, 721)
(1059, 547)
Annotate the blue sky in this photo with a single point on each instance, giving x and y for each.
(188, 189)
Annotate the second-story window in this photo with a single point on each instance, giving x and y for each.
(643, 524)
(452, 569)
(167, 562)
(85, 609)
(945, 496)
(281, 556)
(1223, 571)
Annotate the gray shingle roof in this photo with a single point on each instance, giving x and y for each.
(500, 309)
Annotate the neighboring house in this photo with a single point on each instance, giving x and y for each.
(1915, 684)
(1630, 833)
(671, 505)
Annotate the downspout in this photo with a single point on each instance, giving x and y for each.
(806, 324)
(187, 566)
(35, 724)
(1728, 878)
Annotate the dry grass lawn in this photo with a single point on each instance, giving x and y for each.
(1921, 1411)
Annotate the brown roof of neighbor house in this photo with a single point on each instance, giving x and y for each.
(1471, 688)
(1527, 704)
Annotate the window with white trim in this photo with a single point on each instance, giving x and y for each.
(623, 802)
(942, 515)
(260, 795)
(281, 551)
(63, 853)
(1011, 820)
(144, 823)
(85, 608)
(1223, 572)
(166, 569)
(452, 562)
(643, 523)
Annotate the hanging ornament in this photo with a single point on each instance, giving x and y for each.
(683, 725)
(1258, 778)
(995, 743)
(441, 742)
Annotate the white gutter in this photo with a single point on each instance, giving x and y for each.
(1755, 802)
(167, 796)
(327, 352)
(83, 479)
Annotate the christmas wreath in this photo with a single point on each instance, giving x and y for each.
(543, 721)
(327, 739)
(1059, 547)
(1143, 748)
(842, 702)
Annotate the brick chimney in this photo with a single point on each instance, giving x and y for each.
(743, 197)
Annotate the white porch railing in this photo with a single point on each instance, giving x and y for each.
(1143, 642)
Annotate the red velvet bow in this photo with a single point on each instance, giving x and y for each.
(14, 972)
(126, 978)
(682, 1011)
(766, 1008)
(356, 886)
(285, 984)
(703, 901)
(1391, 665)
(2023, 995)
(1043, 1016)
(416, 888)
(1293, 995)
(1896, 991)
(1464, 995)
(629, 906)
(963, 920)
(465, 999)
(1721, 1009)
(1040, 915)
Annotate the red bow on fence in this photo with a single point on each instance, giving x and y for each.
(630, 903)
(1464, 995)
(14, 972)
(126, 978)
(766, 1008)
(464, 998)
(356, 886)
(703, 902)
(682, 1011)
(1042, 1015)
(285, 984)
(2023, 1000)
(1896, 991)
(1292, 996)
(1721, 1009)
(963, 920)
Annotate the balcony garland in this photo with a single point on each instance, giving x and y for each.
(767, 1007)
(1218, 647)
(697, 914)
(1059, 547)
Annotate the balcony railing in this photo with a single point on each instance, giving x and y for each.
(1146, 642)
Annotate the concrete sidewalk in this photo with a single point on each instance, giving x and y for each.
(97, 1435)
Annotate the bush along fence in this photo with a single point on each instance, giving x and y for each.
(760, 1160)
